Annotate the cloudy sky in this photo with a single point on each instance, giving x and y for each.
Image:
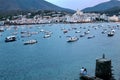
(76, 4)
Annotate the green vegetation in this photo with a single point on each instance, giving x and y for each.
(13, 15)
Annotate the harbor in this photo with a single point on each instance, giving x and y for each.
(53, 58)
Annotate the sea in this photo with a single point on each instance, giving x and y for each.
(54, 58)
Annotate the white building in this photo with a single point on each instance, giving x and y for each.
(114, 18)
(104, 16)
(79, 16)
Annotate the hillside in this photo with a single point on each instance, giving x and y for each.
(112, 11)
(103, 6)
(10, 6)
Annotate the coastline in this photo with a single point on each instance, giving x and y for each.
(60, 23)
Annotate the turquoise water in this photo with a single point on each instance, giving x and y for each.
(53, 58)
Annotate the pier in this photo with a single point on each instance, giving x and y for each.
(103, 70)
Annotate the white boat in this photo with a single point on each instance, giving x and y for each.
(112, 30)
(14, 33)
(82, 35)
(47, 36)
(110, 34)
(72, 39)
(91, 36)
(30, 42)
(87, 32)
(10, 39)
(25, 35)
(65, 31)
(24, 32)
(103, 32)
(42, 30)
(48, 32)
(33, 33)
(77, 31)
(1, 29)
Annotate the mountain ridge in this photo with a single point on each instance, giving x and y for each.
(31, 5)
(103, 6)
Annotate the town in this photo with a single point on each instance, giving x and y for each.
(57, 17)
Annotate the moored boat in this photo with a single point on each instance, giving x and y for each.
(30, 42)
(1, 29)
(65, 31)
(103, 32)
(47, 36)
(77, 31)
(25, 35)
(82, 35)
(33, 33)
(110, 34)
(10, 39)
(72, 39)
(42, 30)
(24, 32)
(91, 36)
(112, 30)
(87, 32)
(14, 33)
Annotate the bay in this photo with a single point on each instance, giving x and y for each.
(54, 58)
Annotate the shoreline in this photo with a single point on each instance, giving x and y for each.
(9, 24)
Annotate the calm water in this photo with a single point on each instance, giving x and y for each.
(53, 58)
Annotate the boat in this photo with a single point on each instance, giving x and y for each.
(82, 35)
(25, 35)
(74, 28)
(30, 42)
(24, 32)
(91, 36)
(103, 32)
(65, 31)
(112, 30)
(48, 32)
(110, 34)
(10, 39)
(72, 39)
(1, 29)
(33, 33)
(42, 30)
(87, 32)
(68, 36)
(77, 31)
(14, 33)
(46, 36)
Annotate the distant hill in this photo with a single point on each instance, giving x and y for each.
(9, 6)
(112, 11)
(111, 5)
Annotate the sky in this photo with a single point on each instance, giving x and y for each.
(76, 4)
